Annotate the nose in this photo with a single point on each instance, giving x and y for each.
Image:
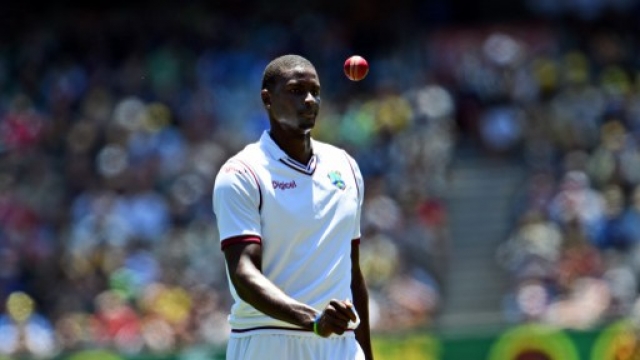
(311, 100)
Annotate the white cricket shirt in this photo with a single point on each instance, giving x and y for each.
(305, 217)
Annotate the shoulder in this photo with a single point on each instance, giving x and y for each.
(250, 156)
(252, 153)
(322, 146)
(326, 149)
(335, 152)
(239, 168)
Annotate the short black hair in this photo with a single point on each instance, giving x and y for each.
(280, 64)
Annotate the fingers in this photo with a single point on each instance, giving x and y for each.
(352, 310)
(336, 317)
(344, 309)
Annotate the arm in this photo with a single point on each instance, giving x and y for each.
(244, 263)
(361, 302)
(236, 204)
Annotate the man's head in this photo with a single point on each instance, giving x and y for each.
(291, 94)
(279, 65)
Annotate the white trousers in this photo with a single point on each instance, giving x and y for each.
(293, 347)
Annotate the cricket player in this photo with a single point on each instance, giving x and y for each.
(288, 213)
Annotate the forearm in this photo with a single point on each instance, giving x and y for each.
(361, 302)
(254, 288)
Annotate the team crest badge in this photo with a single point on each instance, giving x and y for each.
(336, 179)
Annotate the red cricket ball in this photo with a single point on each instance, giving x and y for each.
(356, 68)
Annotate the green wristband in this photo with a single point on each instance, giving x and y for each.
(316, 325)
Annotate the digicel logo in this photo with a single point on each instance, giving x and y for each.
(284, 185)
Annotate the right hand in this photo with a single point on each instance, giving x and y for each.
(335, 317)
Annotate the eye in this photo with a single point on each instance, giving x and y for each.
(295, 91)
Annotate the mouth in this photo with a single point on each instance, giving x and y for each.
(309, 115)
(308, 118)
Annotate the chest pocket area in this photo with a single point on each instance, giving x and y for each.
(339, 190)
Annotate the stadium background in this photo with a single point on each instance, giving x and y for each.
(498, 139)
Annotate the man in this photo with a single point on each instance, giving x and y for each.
(288, 212)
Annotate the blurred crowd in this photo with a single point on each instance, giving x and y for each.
(110, 139)
(567, 109)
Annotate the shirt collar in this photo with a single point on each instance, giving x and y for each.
(273, 150)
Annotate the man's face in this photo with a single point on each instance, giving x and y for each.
(294, 101)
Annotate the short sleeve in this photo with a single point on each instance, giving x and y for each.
(360, 187)
(236, 202)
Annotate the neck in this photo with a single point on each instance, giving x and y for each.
(297, 148)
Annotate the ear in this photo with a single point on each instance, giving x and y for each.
(266, 98)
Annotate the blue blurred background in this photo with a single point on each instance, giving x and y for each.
(499, 140)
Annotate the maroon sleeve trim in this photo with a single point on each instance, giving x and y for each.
(355, 241)
(242, 239)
